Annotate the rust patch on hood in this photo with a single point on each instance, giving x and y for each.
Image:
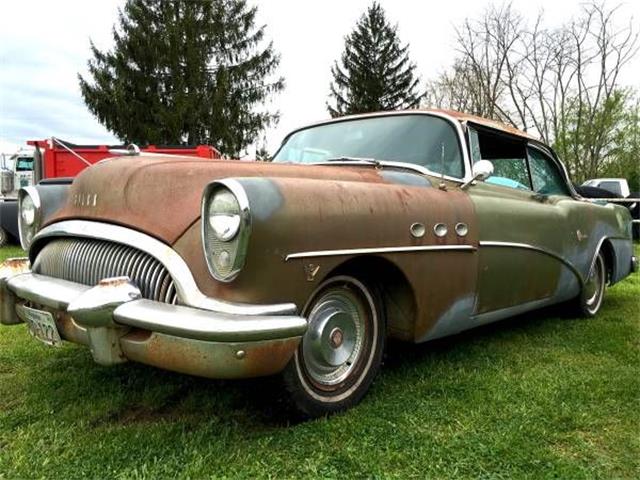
(161, 196)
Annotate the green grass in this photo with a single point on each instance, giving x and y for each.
(537, 396)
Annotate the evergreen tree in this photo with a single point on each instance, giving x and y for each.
(185, 72)
(374, 72)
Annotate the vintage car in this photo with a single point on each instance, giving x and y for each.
(410, 225)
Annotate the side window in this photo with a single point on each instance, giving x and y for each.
(545, 175)
(508, 155)
(510, 172)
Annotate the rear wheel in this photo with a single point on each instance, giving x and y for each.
(590, 300)
(341, 352)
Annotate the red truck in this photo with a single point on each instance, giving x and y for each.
(57, 161)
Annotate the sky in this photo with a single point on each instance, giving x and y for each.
(45, 44)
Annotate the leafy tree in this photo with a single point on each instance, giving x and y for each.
(185, 72)
(624, 161)
(561, 83)
(607, 144)
(374, 72)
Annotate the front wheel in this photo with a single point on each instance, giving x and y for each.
(590, 300)
(341, 352)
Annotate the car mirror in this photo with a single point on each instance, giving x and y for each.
(482, 170)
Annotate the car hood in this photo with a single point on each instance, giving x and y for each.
(161, 196)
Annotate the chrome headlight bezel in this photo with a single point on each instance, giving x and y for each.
(28, 229)
(216, 244)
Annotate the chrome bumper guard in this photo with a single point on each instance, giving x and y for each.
(119, 325)
(634, 264)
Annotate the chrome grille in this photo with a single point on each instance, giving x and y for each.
(87, 261)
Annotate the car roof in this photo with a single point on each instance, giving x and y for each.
(453, 114)
(481, 121)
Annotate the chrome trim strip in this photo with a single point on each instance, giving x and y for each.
(614, 200)
(364, 251)
(526, 246)
(188, 292)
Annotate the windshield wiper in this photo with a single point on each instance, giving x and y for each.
(371, 161)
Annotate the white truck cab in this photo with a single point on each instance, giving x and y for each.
(16, 172)
(617, 186)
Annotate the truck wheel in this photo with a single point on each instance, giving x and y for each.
(588, 303)
(4, 237)
(341, 352)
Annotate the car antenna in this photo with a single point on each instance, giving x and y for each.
(442, 185)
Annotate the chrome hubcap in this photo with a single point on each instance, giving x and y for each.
(333, 342)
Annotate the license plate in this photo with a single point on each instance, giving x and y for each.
(42, 326)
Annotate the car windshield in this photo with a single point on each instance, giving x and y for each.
(423, 140)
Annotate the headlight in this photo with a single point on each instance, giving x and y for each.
(29, 215)
(224, 215)
(226, 225)
(28, 211)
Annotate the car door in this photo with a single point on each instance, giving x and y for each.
(521, 230)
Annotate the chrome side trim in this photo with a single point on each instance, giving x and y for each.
(544, 251)
(365, 251)
(188, 292)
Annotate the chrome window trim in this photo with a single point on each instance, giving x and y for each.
(457, 125)
(373, 250)
(188, 292)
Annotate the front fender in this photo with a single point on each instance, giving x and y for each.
(292, 216)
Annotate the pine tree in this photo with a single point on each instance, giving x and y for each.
(374, 72)
(185, 72)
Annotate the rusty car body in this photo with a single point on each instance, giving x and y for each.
(412, 225)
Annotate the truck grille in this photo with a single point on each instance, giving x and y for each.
(87, 261)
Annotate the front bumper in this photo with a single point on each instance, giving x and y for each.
(118, 325)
